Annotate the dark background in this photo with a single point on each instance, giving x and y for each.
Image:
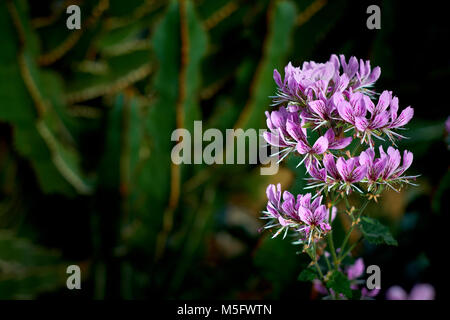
(113, 92)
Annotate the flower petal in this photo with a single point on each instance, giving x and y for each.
(392, 163)
(319, 108)
(303, 148)
(383, 101)
(288, 205)
(407, 161)
(306, 215)
(345, 111)
(319, 174)
(367, 157)
(356, 270)
(341, 166)
(295, 131)
(358, 174)
(273, 139)
(422, 291)
(330, 165)
(316, 203)
(378, 168)
(380, 120)
(340, 143)
(277, 78)
(320, 146)
(403, 119)
(361, 123)
(305, 200)
(374, 75)
(396, 293)
(320, 214)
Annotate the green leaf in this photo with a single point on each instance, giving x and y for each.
(376, 233)
(27, 270)
(109, 168)
(308, 274)
(38, 137)
(340, 284)
(276, 48)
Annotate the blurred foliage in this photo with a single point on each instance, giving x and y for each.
(86, 119)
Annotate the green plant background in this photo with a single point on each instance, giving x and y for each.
(86, 118)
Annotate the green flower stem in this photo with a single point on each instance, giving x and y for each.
(319, 271)
(332, 249)
(351, 248)
(354, 223)
(335, 200)
(328, 262)
(347, 204)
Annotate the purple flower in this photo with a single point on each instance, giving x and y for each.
(350, 170)
(375, 167)
(302, 213)
(314, 215)
(278, 135)
(330, 165)
(298, 133)
(276, 122)
(315, 172)
(345, 172)
(319, 147)
(360, 75)
(393, 171)
(319, 112)
(290, 205)
(301, 84)
(274, 200)
(382, 117)
(386, 168)
(353, 109)
(401, 120)
(356, 270)
(274, 210)
(418, 292)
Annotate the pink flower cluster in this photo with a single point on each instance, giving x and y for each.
(334, 102)
(302, 213)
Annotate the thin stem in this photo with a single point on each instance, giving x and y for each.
(319, 271)
(347, 204)
(330, 241)
(344, 254)
(327, 261)
(322, 277)
(354, 223)
(332, 249)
